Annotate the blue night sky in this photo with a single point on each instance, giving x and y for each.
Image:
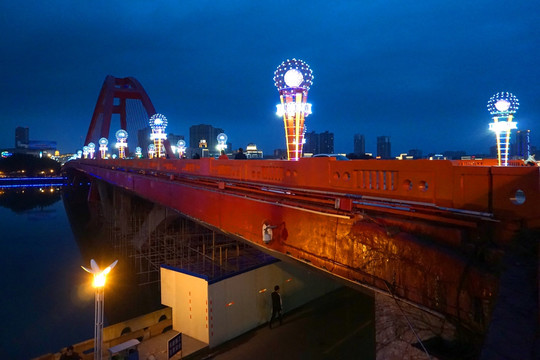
(419, 72)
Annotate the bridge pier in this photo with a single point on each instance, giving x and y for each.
(403, 331)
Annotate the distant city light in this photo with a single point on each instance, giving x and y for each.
(293, 78)
(502, 106)
(158, 123)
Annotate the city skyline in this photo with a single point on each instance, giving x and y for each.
(411, 72)
(520, 144)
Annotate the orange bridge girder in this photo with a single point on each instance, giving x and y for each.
(429, 232)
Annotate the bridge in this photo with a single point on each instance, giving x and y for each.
(429, 233)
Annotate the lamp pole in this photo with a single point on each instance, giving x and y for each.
(99, 284)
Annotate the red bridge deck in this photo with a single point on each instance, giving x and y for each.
(430, 232)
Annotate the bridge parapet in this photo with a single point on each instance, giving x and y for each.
(503, 193)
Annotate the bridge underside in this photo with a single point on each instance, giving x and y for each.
(444, 262)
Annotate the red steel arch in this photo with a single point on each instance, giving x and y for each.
(122, 89)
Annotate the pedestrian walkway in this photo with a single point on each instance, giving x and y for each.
(339, 325)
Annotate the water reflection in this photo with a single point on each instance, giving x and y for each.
(21, 200)
(48, 301)
(125, 297)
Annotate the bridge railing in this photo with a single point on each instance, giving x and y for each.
(511, 191)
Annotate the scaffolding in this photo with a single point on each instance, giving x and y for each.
(178, 242)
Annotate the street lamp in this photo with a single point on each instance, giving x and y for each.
(99, 284)
(293, 79)
(158, 123)
(91, 149)
(138, 152)
(151, 151)
(103, 142)
(181, 145)
(222, 141)
(121, 142)
(502, 106)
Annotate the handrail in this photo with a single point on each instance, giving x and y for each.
(444, 184)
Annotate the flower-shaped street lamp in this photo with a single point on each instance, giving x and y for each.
(293, 79)
(222, 142)
(181, 145)
(151, 151)
(91, 149)
(100, 278)
(85, 151)
(121, 142)
(502, 106)
(103, 142)
(138, 152)
(158, 123)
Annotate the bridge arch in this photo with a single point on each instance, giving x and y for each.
(126, 98)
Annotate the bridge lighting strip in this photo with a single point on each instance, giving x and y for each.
(31, 185)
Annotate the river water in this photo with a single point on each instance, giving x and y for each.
(47, 300)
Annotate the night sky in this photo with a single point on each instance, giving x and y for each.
(419, 72)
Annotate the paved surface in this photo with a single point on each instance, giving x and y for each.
(339, 325)
(514, 332)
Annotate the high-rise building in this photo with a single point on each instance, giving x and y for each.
(173, 139)
(280, 153)
(322, 143)
(22, 137)
(204, 132)
(523, 146)
(359, 144)
(311, 145)
(143, 138)
(383, 147)
(415, 153)
(326, 142)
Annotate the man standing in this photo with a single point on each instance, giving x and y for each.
(240, 155)
(276, 306)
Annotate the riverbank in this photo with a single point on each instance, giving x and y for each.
(142, 328)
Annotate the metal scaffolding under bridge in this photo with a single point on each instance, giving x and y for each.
(179, 242)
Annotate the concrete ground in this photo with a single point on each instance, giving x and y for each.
(339, 325)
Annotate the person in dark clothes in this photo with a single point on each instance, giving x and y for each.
(240, 155)
(276, 306)
(70, 354)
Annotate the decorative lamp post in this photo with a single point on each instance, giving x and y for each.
(121, 142)
(99, 284)
(79, 154)
(151, 151)
(138, 152)
(158, 123)
(181, 145)
(502, 106)
(222, 142)
(85, 151)
(293, 79)
(103, 142)
(91, 149)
